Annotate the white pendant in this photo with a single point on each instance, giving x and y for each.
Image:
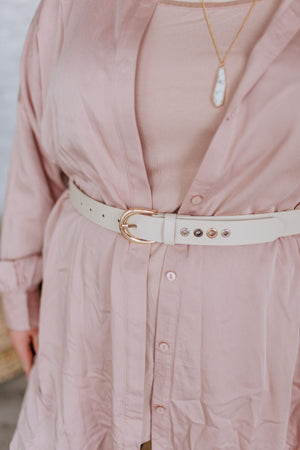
(220, 88)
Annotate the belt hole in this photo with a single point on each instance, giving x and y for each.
(198, 232)
(184, 231)
(212, 233)
(225, 232)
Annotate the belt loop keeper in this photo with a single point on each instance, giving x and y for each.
(169, 228)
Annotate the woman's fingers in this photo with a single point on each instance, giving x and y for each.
(25, 352)
(21, 341)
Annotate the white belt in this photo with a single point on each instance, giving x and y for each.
(170, 228)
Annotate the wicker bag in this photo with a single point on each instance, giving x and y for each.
(10, 363)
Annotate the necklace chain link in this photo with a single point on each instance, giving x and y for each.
(237, 35)
(218, 95)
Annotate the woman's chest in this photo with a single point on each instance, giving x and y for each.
(100, 72)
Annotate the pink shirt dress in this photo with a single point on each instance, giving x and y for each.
(194, 347)
(175, 73)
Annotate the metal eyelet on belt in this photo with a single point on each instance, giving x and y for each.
(225, 233)
(184, 231)
(212, 233)
(198, 232)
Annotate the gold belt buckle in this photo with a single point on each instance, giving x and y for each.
(124, 226)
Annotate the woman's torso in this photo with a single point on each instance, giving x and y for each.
(176, 70)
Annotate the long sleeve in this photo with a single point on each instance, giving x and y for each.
(293, 430)
(34, 180)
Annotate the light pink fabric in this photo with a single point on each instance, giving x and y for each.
(176, 69)
(231, 374)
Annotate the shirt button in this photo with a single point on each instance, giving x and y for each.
(163, 346)
(160, 409)
(196, 199)
(171, 276)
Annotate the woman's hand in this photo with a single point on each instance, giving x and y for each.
(26, 344)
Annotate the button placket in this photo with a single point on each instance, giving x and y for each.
(167, 322)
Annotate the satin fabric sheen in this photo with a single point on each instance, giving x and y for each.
(222, 341)
(176, 69)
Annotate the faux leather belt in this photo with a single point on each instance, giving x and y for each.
(169, 228)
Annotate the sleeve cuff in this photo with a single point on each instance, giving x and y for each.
(19, 286)
(21, 309)
(20, 274)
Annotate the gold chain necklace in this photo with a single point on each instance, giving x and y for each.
(219, 90)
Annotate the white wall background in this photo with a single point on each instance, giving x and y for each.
(15, 16)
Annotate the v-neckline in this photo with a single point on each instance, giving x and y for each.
(282, 26)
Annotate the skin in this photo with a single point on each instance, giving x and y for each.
(23, 341)
(26, 342)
